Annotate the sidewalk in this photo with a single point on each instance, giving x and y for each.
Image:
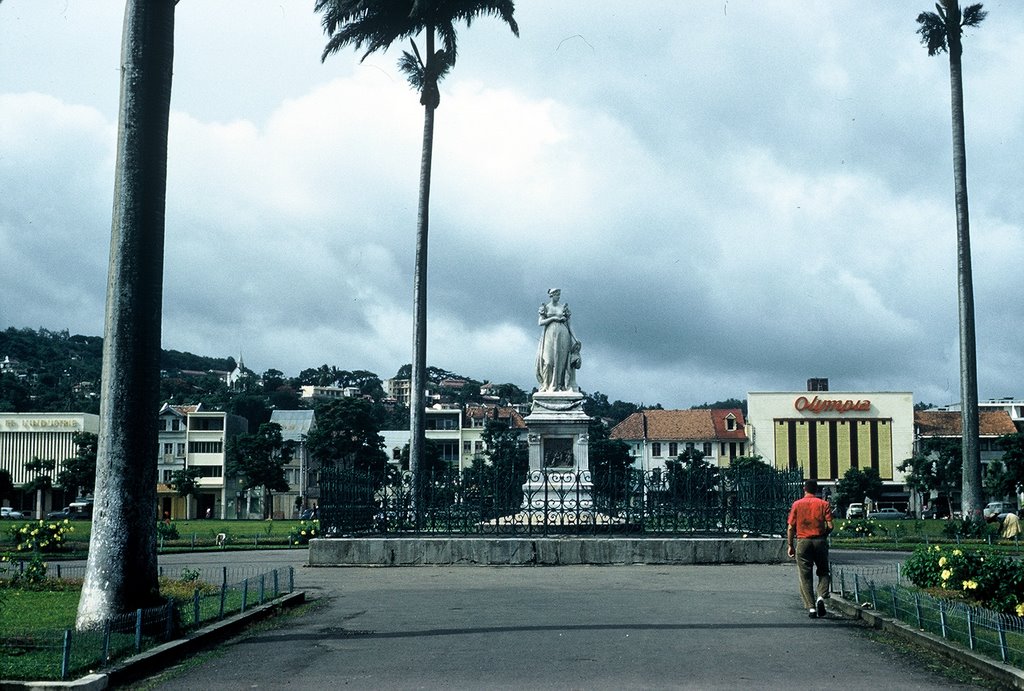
(622, 627)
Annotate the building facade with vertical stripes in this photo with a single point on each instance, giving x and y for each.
(47, 436)
(828, 432)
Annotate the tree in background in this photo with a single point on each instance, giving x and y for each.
(185, 483)
(937, 469)
(121, 569)
(347, 435)
(376, 24)
(598, 405)
(1005, 477)
(691, 477)
(508, 460)
(610, 463)
(258, 460)
(78, 478)
(6, 486)
(856, 484)
(941, 32)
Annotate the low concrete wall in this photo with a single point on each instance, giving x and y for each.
(543, 551)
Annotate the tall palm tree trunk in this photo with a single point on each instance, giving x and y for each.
(417, 400)
(971, 498)
(121, 571)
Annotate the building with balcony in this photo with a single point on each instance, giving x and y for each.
(190, 437)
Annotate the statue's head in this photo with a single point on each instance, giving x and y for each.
(554, 292)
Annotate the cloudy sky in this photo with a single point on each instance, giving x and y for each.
(733, 195)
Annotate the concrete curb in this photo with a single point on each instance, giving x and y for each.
(160, 657)
(1006, 675)
(543, 551)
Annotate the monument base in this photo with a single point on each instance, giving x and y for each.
(558, 491)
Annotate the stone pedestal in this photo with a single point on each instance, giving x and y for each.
(559, 477)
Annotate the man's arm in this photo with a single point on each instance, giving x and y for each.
(790, 539)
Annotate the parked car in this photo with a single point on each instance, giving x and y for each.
(887, 515)
(8, 512)
(994, 508)
(80, 510)
(309, 514)
(855, 511)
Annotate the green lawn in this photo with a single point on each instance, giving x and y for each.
(198, 534)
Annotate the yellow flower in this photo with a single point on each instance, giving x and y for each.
(303, 532)
(942, 561)
(957, 553)
(1020, 610)
(946, 574)
(970, 585)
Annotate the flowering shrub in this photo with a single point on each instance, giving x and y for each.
(41, 536)
(304, 532)
(990, 580)
(860, 529)
(30, 574)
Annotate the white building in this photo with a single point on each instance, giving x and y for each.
(658, 436)
(1014, 408)
(47, 436)
(189, 437)
(458, 433)
(828, 432)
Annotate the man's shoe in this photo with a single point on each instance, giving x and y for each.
(820, 607)
(812, 613)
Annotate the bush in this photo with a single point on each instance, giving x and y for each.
(860, 528)
(167, 530)
(40, 536)
(304, 532)
(972, 526)
(984, 578)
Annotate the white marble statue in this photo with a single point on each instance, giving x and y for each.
(558, 353)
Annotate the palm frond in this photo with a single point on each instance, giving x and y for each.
(973, 15)
(933, 32)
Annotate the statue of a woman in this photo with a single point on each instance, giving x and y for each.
(558, 351)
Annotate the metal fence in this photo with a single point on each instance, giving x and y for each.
(64, 653)
(679, 500)
(884, 590)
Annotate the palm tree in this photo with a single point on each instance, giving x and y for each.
(121, 571)
(375, 25)
(941, 32)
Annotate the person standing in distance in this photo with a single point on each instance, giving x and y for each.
(810, 522)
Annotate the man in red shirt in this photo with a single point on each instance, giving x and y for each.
(810, 522)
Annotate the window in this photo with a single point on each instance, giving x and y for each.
(167, 474)
(181, 448)
(175, 425)
(479, 446)
(209, 470)
(730, 422)
(707, 448)
(163, 424)
(467, 447)
(656, 448)
(206, 423)
(205, 446)
(168, 449)
(449, 450)
(673, 449)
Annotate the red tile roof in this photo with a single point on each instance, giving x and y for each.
(702, 424)
(504, 413)
(943, 423)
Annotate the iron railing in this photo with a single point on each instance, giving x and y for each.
(64, 653)
(678, 500)
(884, 590)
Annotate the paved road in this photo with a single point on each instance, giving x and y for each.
(624, 627)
